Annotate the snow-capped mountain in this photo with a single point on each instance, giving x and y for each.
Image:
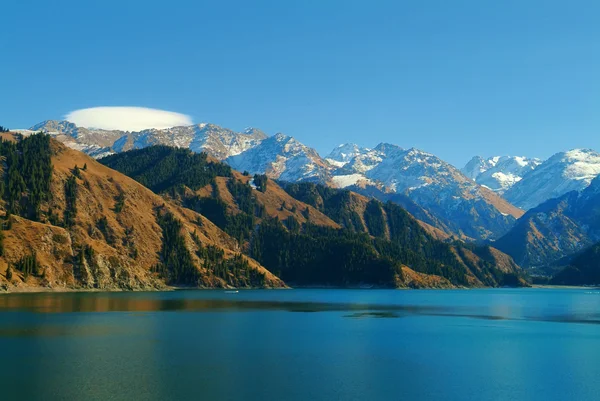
(499, 173)
(282, 157)
(478, 165)
(218, 142)
(556, 228)
(410, 177)
(466, 207)
(564, 172)
(95, 142)
(353, 159)
(344, 153)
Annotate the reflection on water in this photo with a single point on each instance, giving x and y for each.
(180, 301)
(298, 345)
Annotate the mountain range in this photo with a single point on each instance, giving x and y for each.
(475, 203)
(480, 201)
(557, 228)
(165, 216)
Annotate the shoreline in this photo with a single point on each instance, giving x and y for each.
(63, 290)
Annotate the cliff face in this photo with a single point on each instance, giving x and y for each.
(115, 241)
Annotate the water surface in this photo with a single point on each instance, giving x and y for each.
(526, 344)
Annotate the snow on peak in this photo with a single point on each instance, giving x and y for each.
(499, 173)
(568, 171)
(254, 132)
(345, 152)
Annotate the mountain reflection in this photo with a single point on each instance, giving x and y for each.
(189, 301)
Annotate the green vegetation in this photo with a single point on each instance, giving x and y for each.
(374, 218)
(584, 269)
(162, 168)
(26, 184)
(320, 255)
(370, 248)
(3, 129)
(234, 271)
(332, 202)
(129, 243)
(108, 233)
(119, 201)
(485, 269)
(29, 265)
(85, 255)
(178, 266)
(70, 201)
(176, 263)
(260, 180)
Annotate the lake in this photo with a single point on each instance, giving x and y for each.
(490, 344)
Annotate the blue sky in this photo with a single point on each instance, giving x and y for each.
(455, 78)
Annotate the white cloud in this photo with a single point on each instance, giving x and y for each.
(127, 118)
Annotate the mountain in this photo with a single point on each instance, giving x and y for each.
(209, 138)
(499, 173)
(311, 234)
(69, 222)
(95, 142)
(584, 269)
(421, 182)
(284, 158)
(390, 222)
(464, 207)
(555, 229)
(562, 173)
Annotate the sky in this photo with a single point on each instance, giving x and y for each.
(455, 78)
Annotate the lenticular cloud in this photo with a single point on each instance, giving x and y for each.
(127, 118)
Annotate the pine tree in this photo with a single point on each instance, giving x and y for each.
(9, 273)
(71, 201)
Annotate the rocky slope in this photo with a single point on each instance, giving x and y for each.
(499, 173)
(564, 172)
(555, 229)
(284, 158)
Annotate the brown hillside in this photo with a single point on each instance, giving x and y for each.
(501, 204)
(125, 245)
(276, 201)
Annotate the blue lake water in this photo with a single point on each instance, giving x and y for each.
(502, 344)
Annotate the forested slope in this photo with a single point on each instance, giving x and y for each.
(69, 222)
(310, 234)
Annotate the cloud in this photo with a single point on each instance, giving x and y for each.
(127, 118)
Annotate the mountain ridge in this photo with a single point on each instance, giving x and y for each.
(454, 203)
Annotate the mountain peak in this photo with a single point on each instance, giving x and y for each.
(345, 152)
(572, 170)
(255, 133)
(499, 173)
(384, 146)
